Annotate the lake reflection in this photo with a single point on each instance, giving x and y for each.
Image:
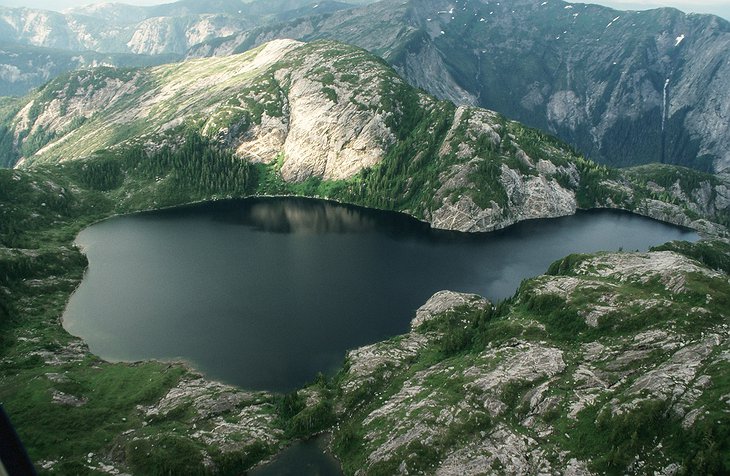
(266, 293)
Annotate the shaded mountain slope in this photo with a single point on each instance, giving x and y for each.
(625, 88)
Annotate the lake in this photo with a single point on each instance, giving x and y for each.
(266, 293)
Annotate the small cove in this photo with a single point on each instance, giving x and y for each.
(266, 293)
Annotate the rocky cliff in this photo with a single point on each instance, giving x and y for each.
(285, 99)
(625, 88)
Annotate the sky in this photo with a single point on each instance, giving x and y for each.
(718, 7)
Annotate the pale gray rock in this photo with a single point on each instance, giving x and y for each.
(677, 373)
(503, 448)
(332, 139)
(565, 109)
(525, 362)
(668, 266)
(229, 418)
(366, 362)
(442, 302)
(576, 468)
(60, 398)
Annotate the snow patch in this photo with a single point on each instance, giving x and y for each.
(679, 39)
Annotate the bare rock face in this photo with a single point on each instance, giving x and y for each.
(60, 398)
(504, 448)
(425, 69)
(160, 35)
(224, 417)
(318, 119)
(466, 216)
(674, 379)
(326, 128)
(330, 135)
(666, 266)
(521, 362)
(378, 360)
(532, 191)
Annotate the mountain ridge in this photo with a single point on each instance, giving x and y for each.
(625, 88)
(333, 119)
(159, 29)
(594, 76)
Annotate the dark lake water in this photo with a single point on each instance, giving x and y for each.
(302, 458)
(266, 293)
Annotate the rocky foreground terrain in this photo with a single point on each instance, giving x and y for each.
(608, 363)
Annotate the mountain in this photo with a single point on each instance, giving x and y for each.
(625, 88)
(160, 29)
(25, 67)
(39, 45)
(326, 111)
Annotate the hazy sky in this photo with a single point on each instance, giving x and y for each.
(718, 7)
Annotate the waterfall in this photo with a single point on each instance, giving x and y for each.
(664, 104)
(664, 120)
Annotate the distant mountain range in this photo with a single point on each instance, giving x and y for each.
(25, 67)
(167, 28)
(38, 45)
(622, 87)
